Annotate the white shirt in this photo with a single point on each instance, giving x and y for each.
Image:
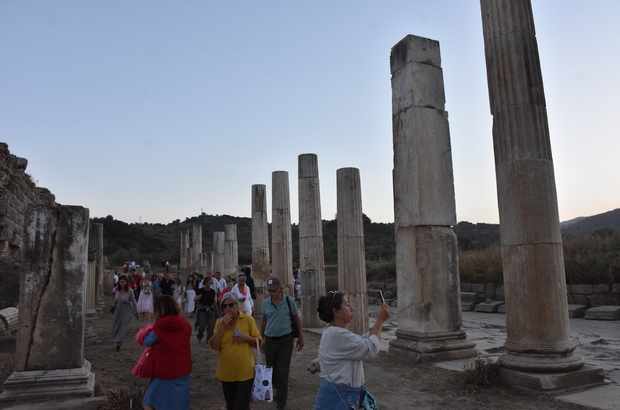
(341, 355)
(249, 303)
(220, 284)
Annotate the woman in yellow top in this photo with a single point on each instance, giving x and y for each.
(235, 336)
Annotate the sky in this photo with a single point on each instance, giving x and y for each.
(152, 111)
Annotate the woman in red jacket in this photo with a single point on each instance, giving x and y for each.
(169, 389)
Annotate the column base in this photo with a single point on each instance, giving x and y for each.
(586, 375)
(541, 362)
(37, 384)
(435, 347)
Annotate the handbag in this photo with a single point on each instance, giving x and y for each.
(293, 322)
(145, 368)
(262, 389)
(366, 401)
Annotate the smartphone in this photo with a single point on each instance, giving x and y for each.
(237, 332)
(382, 298)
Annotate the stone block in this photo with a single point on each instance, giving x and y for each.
(570, 299)
(466, 287)
(581, 289)
(581, 300)
(468, 306)
(373, 294)
(596, 300)
(612, 299)
(502, 309)
(615, 288)
(469, 297)
(577, 310)
(586, 375)
(376, 285)
(600, 288)
(603, 313)
(489, 290)
(500, 294)
(488, 307)
(478, 287)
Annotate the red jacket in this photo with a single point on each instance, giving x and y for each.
(172, 353)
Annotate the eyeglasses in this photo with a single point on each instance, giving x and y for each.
(227, 305)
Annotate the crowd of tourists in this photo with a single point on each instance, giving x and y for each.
(223, 309)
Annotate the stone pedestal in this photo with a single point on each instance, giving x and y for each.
(281, 235)
(184, 269)
(537, 326)
(196, 247)
(429, 322)
(311, 255)
(218, 252)
(351, 254)
(260, 244)
(231, 255)
(50, 336)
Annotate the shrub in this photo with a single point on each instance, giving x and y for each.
(482, 373)
(593, 259)
(381, 271)
(126, 398)
(481, 265)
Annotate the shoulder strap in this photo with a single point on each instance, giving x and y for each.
(290, 312)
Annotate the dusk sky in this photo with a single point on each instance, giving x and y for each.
(158, 110)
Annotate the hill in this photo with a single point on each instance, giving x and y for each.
(589, 225)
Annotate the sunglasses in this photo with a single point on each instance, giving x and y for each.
(227, 305)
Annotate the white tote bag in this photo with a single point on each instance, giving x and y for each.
(262, 390)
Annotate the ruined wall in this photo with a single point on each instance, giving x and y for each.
(17, 192)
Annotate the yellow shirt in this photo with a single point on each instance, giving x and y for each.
(236, 360)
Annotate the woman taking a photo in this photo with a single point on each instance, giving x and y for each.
(341, 353)
(235, 336)
(169, 388)
(124, 308)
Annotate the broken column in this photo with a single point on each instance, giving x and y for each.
(206, 263)
(351, 254)
(260, 244)
(312, 259)
(539, 350)
(196, 247)
(429, 317)
(49, 360)
(218, 252)
(281, 235)
(231, 258)
(183, 262)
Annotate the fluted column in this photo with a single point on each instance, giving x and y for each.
(231, 258)
(96, 235)
(196, 248)
(281, 235)
(90, 297)
(429, 317)
(218, 252)
(311, 254)
(260, 244)
(351, 254)
(184, 263)
(537, 325)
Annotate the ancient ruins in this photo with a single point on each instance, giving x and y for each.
(260, 244)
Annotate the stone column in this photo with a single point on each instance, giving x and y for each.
(429, 307)
(231, 258)
(312, 259)
(206, 262)
(218, 252)
(90, 301)
(196, 248)
(260, 244)
(49, 359)
(183, 262)
(537, 326)
(96, 236)
(351, 253)
(281, 235)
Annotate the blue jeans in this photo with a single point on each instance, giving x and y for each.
(336, 396)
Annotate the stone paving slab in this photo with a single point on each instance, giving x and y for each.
(603, 313)
(602, 397)
(577, 310)
(489, 307)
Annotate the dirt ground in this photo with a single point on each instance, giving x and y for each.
(396, 384)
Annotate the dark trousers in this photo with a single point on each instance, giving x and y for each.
(238, 394)
(205, 319)
(278, 355)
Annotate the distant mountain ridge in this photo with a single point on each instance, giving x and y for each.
(584, 226)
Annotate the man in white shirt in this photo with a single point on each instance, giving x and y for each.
(220, 282)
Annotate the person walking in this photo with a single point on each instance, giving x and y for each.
(145, 300)
(342, 352)
(169, 389)
(179, 291)
(189, 296)
(275, 327)
(235, 336)
(206, 310)
(124, 308)
(244, 295)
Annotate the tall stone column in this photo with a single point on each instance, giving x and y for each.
(96, 236)
(311, 255)
(351, 253)
(90, 300)
(429, 307)
(183, 262)
(260, 244)
(537, 326)
(196, 248)
(206, 262)
(231, 256)
(49, 358)
(218, 252)
(281, 234)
